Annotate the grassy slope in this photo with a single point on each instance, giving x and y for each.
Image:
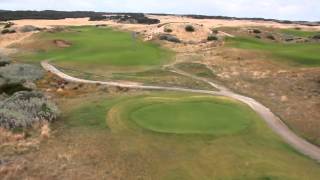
(306, 54)
(102, 47)
(299, 33)
(255, 153)
(192, 115)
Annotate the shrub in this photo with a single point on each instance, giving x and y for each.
(271, 37)
(8, 31)
(215, 31)
(212, 37)
(18, 73)
(189, 28)
(29, 28)
(8, 25)
(4, 61)
(23, 109)
(317, 37)
(170, 38)
(97, 18)
(19, 77)
(167, 30)
(256, 31)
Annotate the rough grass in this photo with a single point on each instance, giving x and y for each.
(303, 54)
(254, 153)
(100, 47)
(192, 115)
(197, 69)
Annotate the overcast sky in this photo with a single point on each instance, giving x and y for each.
(278, 9)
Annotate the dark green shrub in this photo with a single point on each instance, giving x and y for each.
(212, 37)
(256, 31)
(317, 37)
(215, 31)
(8, 25)
(167, 30)
(8, 31)
(189, 28)
(169, 37)
(271, 37)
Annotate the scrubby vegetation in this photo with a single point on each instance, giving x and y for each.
(133, 18)
(29, 28)
(94, 16)
(169, 37)
(167, 30)
(189, 28)
(15, 15)
(21, 72)
(4, 60)
(212, 37)
(18, 77)
(23, 109)
(8, 31)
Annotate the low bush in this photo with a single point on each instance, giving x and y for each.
(189, 28)
(215, 31)
(167, 30)
(19, 77)
(256, 31)
(317, 37)
(8, 25)
(271, 37)
(4, 61)
(212, 37)
(29, 28)
(170, 38)
(18, 73)
(8, 31)
(23, 109)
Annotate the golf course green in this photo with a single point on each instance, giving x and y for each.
(192, 115)
(198, 115)
(303, 54)
(99, 48)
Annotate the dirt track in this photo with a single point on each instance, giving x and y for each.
(300, 144)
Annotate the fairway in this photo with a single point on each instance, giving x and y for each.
(99, 48)
(303, 54)
(193, 115)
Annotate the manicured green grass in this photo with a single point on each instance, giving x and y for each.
(303, 54)
(101, 47)
(242, 152)
(299, 33)
(193, 116)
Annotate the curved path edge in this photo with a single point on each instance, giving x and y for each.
(274, 122)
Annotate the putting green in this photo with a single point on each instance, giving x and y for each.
(188, 114)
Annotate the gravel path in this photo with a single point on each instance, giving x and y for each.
(300, 144)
